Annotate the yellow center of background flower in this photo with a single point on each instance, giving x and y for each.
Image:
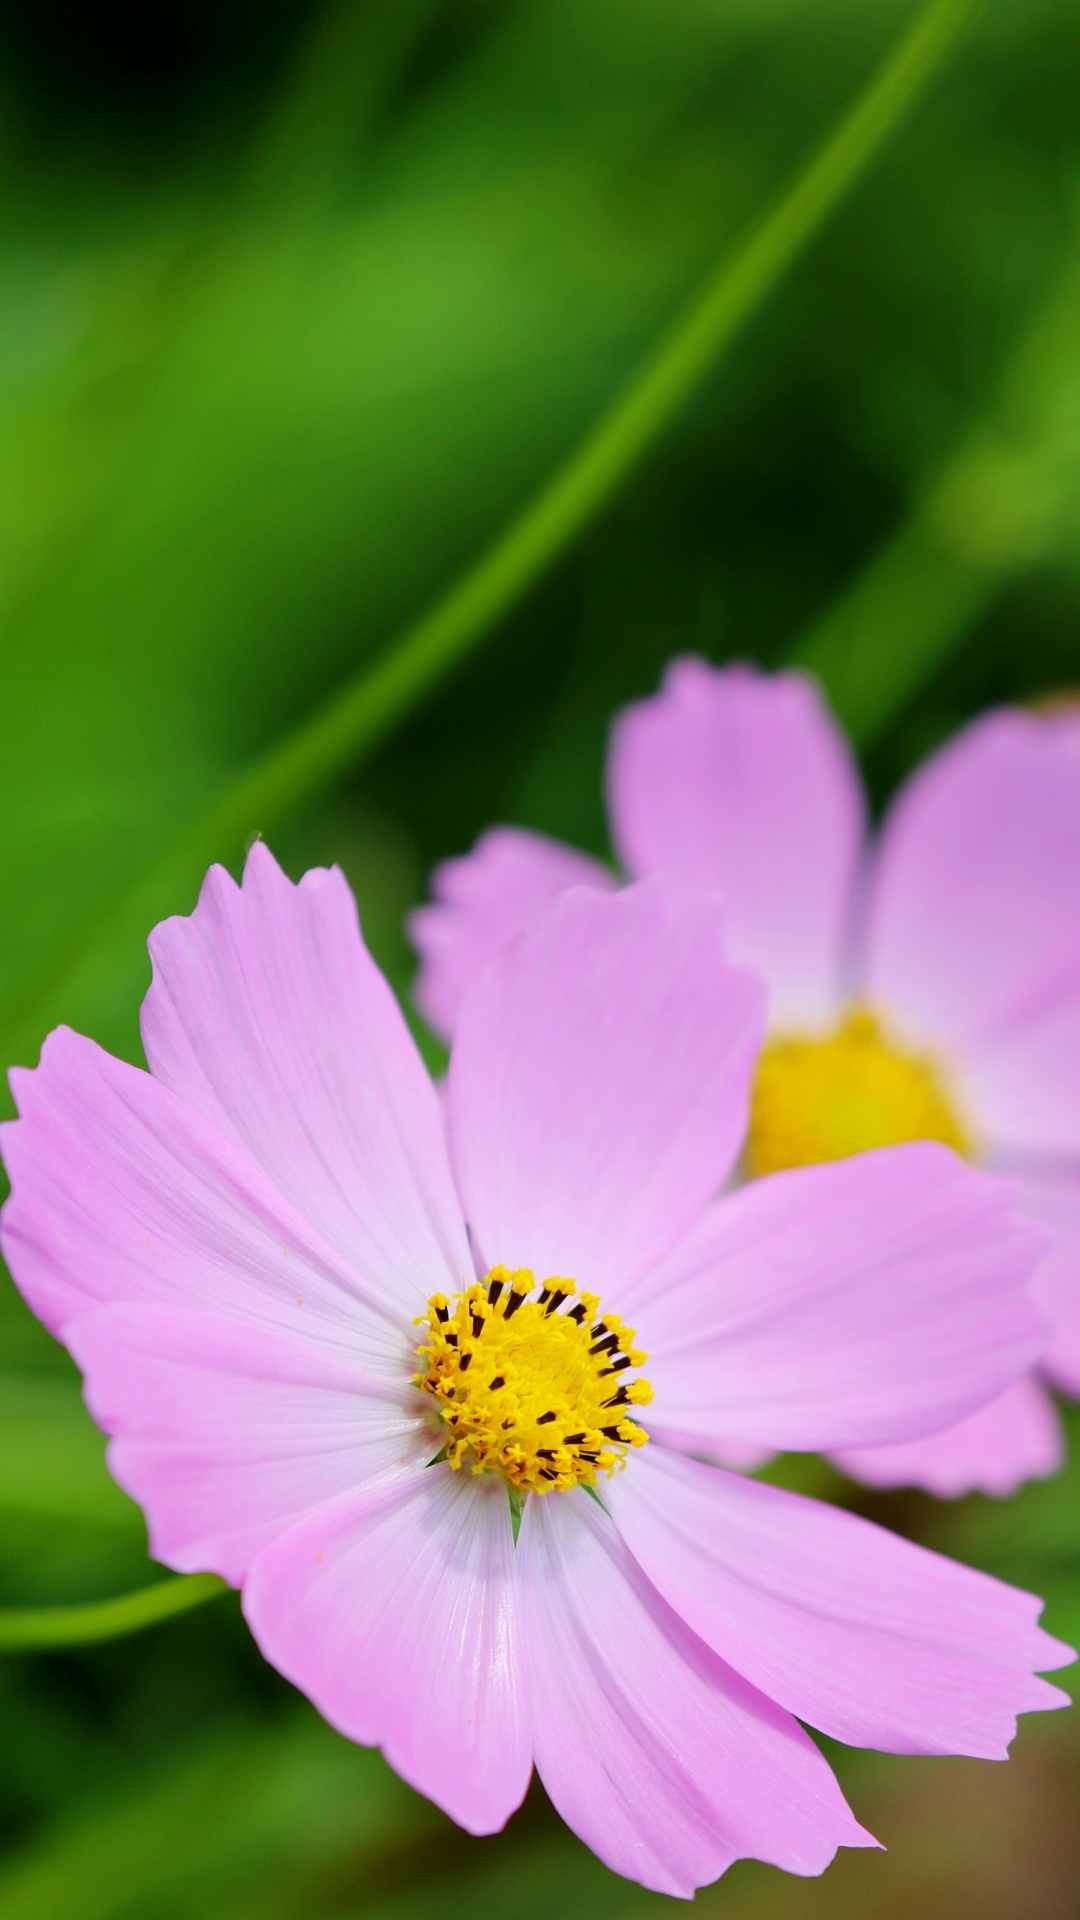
(825, 1097)
(532, 1389)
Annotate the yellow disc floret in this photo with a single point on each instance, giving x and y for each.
(827, 1096)
(531, 1388)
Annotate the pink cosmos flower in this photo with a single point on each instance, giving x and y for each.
(927, 990)
(339, 1344)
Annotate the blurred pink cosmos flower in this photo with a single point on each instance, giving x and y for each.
(929, 990)
(276, 1266)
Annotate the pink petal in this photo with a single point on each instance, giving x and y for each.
(599, 1081)
(1016, 1438)
(971, 911)
(267, 1013)
(1052, 1198)
(867, 1300)
(122, 1192)
(657, 1755)
(225, 1431)
(393, 1610)
(742, 781)
(1020, 1080)
(869, 1638)
(738, 1455)
(480, 902)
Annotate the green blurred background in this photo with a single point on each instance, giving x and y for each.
(302, 306)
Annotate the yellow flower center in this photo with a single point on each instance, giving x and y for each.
(825, 1097)
(530, 1388)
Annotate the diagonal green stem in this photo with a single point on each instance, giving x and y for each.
(22, 1629)
(361, 713)
(357, 717)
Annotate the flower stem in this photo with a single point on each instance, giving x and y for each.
(360, 714)
(23, 1629)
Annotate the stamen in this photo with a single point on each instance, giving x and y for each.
(545, 1369)
(825, 1096)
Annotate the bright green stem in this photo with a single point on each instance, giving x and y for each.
(361, 713)
(22, 1629)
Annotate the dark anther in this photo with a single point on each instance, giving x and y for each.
(513, 1303)
(477, 1325)
(465, 1363)
(544, 1418)
(609, 1345)
(545, 1453)
(451, 1339)
(556, 1301)
(577, 1313)
(494, 1291)
(545, 1294)
(616, 1365)
(499, 1381)
(443, 1314)
(546, 1474)
(613, 1433)
(571, 1439)
(619, 1399)
(599, 1329)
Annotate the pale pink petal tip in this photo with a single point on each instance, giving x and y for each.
(1016, 1438)
(660, 1757)
(479, 902)
(866, 1301)
(863, 1635)
(743, 781)
(124, 1192)
(268, 1015)
(394, 1611)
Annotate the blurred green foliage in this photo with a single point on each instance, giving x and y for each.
(301, 309)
